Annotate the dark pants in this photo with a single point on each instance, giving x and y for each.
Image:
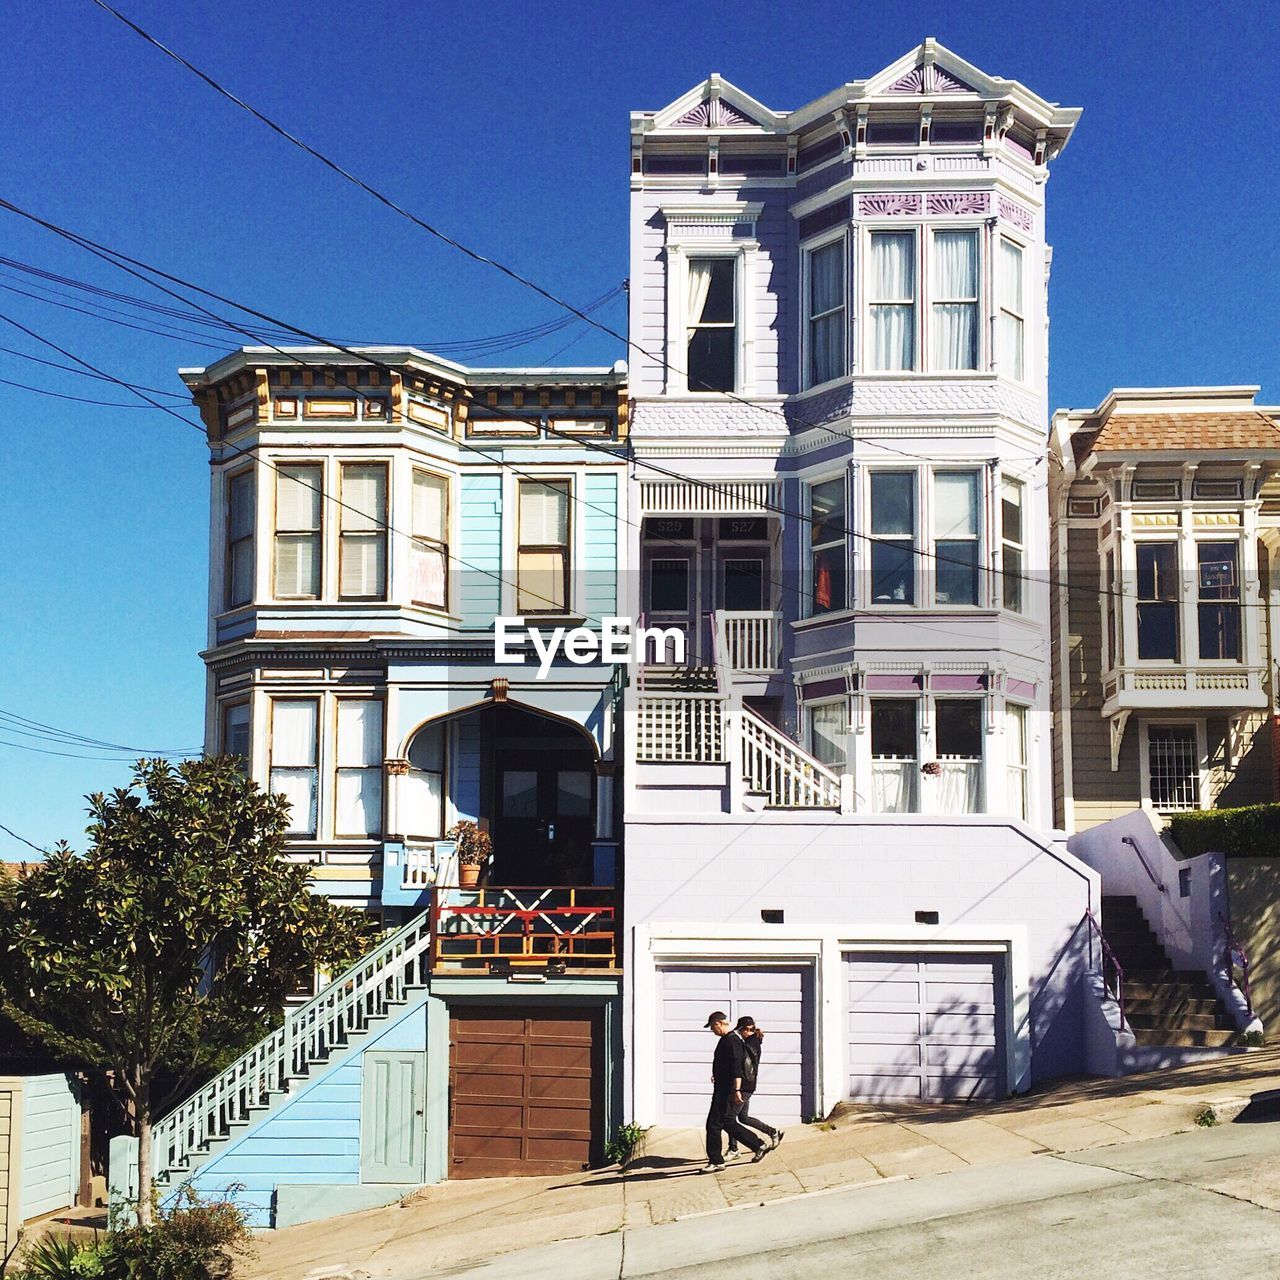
(740, 1114)
(721, 1119)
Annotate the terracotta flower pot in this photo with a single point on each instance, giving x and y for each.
(468, 875)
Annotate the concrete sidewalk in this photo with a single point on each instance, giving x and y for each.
(458, 1223)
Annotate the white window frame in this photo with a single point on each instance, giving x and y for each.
(319, 467)
(810, 708)
(923, 231)
(918, 515)
(225, 711)
(810, 582)
(448, 542)
(230, 542)
(573, 484)
(1202, 759)
(1019, 772)
(935, 300)
(381, 534)
(1229, 538)
(336, 769)
(1008, 544)
(980, 538)
(917, 786)
(1001, 362)
(317, 704)
(1174, 538)
(807, 250)
(983, 758)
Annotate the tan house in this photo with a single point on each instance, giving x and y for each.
(1166, 507)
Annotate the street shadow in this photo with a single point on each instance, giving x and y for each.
(1263, 1108)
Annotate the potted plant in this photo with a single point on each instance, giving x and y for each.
(474, 848)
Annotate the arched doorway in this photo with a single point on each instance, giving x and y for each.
(527, 778)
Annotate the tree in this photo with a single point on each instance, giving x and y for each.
(169, 946)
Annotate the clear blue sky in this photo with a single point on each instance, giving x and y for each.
(507, 125)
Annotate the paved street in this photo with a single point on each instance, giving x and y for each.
(1023, 1169)
(1189, 1205)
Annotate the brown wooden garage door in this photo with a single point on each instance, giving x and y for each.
(525, 1089)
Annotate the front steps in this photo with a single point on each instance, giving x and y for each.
(1166, 1007)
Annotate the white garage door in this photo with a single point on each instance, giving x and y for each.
(780, 999)
(924, 1026)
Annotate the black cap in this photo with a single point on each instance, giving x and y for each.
(745, 1021)
(718, 1016)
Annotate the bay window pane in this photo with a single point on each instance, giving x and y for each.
(363, 558)
(1009, 290)
(430, 556)
(956, 541)
(827, 543)
(298, 531)
(828, 724)
(359, 767)
(240, 529)
(893, 528)
(294, 760)
(826, 313)
(1158, 631)
(955, 300)
(893, 294)
(894, 755)
(1218, 571)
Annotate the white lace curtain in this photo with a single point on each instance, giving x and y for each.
(699, 287)
(893, 291)
(955, 313)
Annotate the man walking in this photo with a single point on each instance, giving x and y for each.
(726, 1095)
(752, 1041)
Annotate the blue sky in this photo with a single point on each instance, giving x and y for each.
(506, 124)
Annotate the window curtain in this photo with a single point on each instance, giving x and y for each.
(422, 791)
(1009, 291)
(955, 321)
(893, 262)
(359, 798)
(293, 762)
(429, 564)
(699, 287)
(960, 786)
(826, 306)
(893, 785)
(364, 498)
(827, 725)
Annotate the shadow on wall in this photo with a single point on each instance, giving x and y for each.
(1251, 778)
(1254, 895)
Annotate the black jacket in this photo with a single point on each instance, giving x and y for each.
(726, 1066)
(750, 1064)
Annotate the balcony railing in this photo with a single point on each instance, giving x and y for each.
(523, 928)
(1180, 686)
(750, 641)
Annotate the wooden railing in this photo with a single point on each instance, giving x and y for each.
(749, 641)
(523, 928)
(309, 1034)
(685, 728)
(788, 776)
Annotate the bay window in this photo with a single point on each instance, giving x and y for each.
(1218, 566)
(362, 551)
(826, 313)
(954, 300)
(1158, 638)
(828, 725)
(235, 730)
(958, 731)
(294, 770)
(894, 755)
(1012, 322)
(240, 520)
(893, 300)
(893, 533)
(298, 531)
(1012, 502)
(956, 537)
(712, 332)
(358, 768)
(542, 556)
(827, 542)
(430, 568)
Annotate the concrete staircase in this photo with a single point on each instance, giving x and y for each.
(1164, 1006)
(677, 680)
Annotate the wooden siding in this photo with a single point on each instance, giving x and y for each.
(1253, 886)
(478, 560)
(312, 1137)
(600, 545)
(9, 1156)
(50, 1145)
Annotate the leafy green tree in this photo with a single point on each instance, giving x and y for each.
(167, 948)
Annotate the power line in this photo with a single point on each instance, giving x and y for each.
(38, 728)
(82, 373)
(22, 839)
(62, 395)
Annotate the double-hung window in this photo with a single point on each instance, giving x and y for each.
(542, 558)
(1011, 351)
(1218, 564)
(240, 519)
(1158, 601)
(828, 725)
(295, 760)
(894, 755)
(1012, 559)
(1015, 746)
(893, 534)
(892, 299)
(235, 730)
(712, 334)
(959, 742)
(358, 781)
(299, 488)
(953, 315)
(827, 328)
(956, 538)
(430, 539)
(827, 537)
(362, 554)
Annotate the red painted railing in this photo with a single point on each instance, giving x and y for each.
(523, 927)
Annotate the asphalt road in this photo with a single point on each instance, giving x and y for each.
(1199, 1204)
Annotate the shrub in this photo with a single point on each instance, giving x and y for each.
(1249, 832)
(60, 1258)
(626, 1141)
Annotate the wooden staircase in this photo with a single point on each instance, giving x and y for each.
(1164, 1006)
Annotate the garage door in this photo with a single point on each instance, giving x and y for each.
(526, 1090)
(780, 999)
(924, 1026)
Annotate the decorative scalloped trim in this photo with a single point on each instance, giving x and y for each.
(1014, 213)
(886, 204)
(957, 202)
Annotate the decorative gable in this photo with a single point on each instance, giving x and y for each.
(713, 113)
(928, 79)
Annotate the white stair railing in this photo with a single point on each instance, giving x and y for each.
(789, 777)
(310, 1033)
(686, 728)
(749, 641)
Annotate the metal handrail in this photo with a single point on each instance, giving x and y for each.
(1237, 957)
(1151, 875)
(1109, 955)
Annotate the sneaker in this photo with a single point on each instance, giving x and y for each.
(712, 1168)
(733, 1153)
(777, 1139)
(760, 1155)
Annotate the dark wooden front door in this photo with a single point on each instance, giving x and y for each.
(545, 804)
(526, 1088)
